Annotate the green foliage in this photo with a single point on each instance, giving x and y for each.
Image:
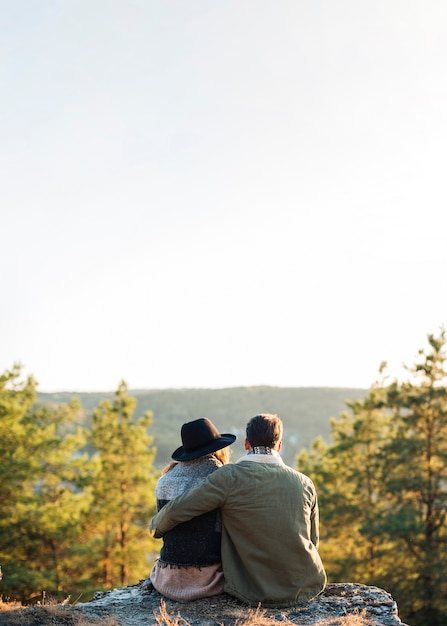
(416, 480)
(17, 435)
(382, 486)
(59, 506)
(40, 488)
(123, 484)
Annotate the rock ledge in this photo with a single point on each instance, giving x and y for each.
(139, 605)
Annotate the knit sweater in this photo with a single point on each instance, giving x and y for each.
(196, 542)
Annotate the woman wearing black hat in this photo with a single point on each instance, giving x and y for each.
(189, 565)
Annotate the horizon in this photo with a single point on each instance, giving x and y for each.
(156, 390)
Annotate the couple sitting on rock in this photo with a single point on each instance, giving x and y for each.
(248, 528)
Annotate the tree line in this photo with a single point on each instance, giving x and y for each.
(75, 501)
(305, 412)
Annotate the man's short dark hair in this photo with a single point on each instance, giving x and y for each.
(264, 430)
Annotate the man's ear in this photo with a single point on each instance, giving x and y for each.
(247, 446)
(279, 446)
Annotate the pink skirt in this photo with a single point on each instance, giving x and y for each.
(185, 583)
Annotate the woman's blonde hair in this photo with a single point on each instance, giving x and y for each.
(223, 455)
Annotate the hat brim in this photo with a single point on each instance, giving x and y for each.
(217, 444)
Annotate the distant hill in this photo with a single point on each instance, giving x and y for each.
(305, 412)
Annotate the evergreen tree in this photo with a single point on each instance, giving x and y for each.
(123, 483)
(382, 486)
(58, 502)
(41, 494)
(348, 476)
(71, 524)
(17, 436)
(416, 483)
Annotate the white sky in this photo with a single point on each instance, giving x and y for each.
(213, 193)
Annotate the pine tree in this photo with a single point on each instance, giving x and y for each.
(123, 485)
(41, 491)
(348, 476)
(17, 436)
(416, 483)
(69, 523)
(58, 502)
(382, 486)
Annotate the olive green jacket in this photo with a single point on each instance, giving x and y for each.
(270, 529)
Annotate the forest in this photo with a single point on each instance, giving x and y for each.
(77, 477)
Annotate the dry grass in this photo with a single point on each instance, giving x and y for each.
(353, 619)
(252, 617)
(50, 614)
(258, 617)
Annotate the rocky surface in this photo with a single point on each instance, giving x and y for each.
(140, 605)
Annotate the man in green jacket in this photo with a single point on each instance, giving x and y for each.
(270, 521)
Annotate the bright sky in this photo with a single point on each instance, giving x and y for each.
(213, 193)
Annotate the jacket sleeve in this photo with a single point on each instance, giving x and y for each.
(207, 496)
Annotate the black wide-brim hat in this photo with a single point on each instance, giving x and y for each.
(200, 437)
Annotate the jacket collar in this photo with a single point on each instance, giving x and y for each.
(273, 458)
